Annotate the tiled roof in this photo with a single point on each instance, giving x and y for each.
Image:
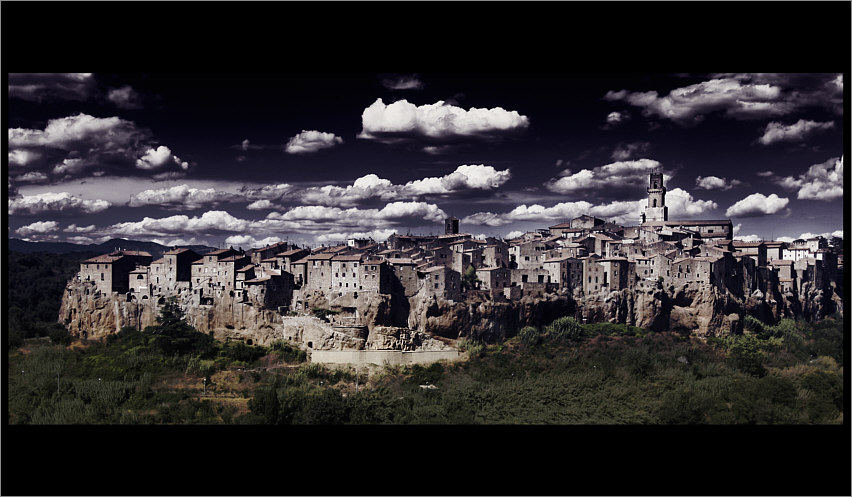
(105, 258)
(291, 252)
(346, 258)
(321, 256)
(140, 253)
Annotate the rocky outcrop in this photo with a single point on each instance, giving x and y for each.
(393, 322)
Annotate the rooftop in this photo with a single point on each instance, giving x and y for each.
(347, 258)
(104, 258)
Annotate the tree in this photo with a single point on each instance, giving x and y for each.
(170, 314)
(470, 281)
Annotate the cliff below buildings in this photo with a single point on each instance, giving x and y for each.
(393, 322)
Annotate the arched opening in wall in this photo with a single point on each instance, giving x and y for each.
(655, 202)
(161, 301)
(249, 342)
(144, 297)
(310, 345)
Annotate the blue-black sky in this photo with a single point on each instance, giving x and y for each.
(249, 158)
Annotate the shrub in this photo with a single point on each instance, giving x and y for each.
(474, 348)
(60, 335)
(323, 313)
(745, 355)
(564, 329)
(754, 325)
(529, 336)
(288, 352)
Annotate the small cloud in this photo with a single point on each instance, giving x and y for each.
(776, 132)
(715, 183)
(625, 151)
(311, 141)
(125, 98)
(402, 82)
(615, 119)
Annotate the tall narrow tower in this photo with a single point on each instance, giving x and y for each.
(451, 226)
(656, 209)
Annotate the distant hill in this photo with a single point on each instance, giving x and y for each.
(155, 249)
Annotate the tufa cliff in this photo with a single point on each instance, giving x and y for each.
(393, 322)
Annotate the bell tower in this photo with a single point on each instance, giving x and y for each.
(656, 209)
(451, 226)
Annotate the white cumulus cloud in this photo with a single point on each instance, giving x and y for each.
(822, 181)
(39, 227)
(401, 119)
(715, 183)
(799, 131)
(612, 178)
(181, 197)
(757, 204)
(311, 141)
(55, 202)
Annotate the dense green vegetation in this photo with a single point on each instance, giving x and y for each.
(157, 375)
(563, 373)
(34, 290)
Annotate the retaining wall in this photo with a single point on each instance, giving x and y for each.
(382, 357)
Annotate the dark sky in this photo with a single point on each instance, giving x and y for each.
(248, 158)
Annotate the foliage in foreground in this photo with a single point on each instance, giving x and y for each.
(604, 373)
(564, 373)
(121, 380)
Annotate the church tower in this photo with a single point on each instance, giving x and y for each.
(451, 226)
(656, 209)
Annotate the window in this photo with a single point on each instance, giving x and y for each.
(436, 285)
(102, 276)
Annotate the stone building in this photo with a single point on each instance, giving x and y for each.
(319, 272)
(565, 271)
(495, 253)
(755, 250)
(259, 254)
(405, 272)
(110, 272)
(441, 281)
(345, 273)
(494, 278)
(586, 222)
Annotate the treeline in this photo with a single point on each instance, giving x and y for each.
(34, 292)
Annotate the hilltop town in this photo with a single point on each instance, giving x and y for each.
(600, 269)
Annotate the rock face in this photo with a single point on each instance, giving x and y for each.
(393, 322)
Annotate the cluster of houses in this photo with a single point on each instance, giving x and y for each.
(584, 256)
